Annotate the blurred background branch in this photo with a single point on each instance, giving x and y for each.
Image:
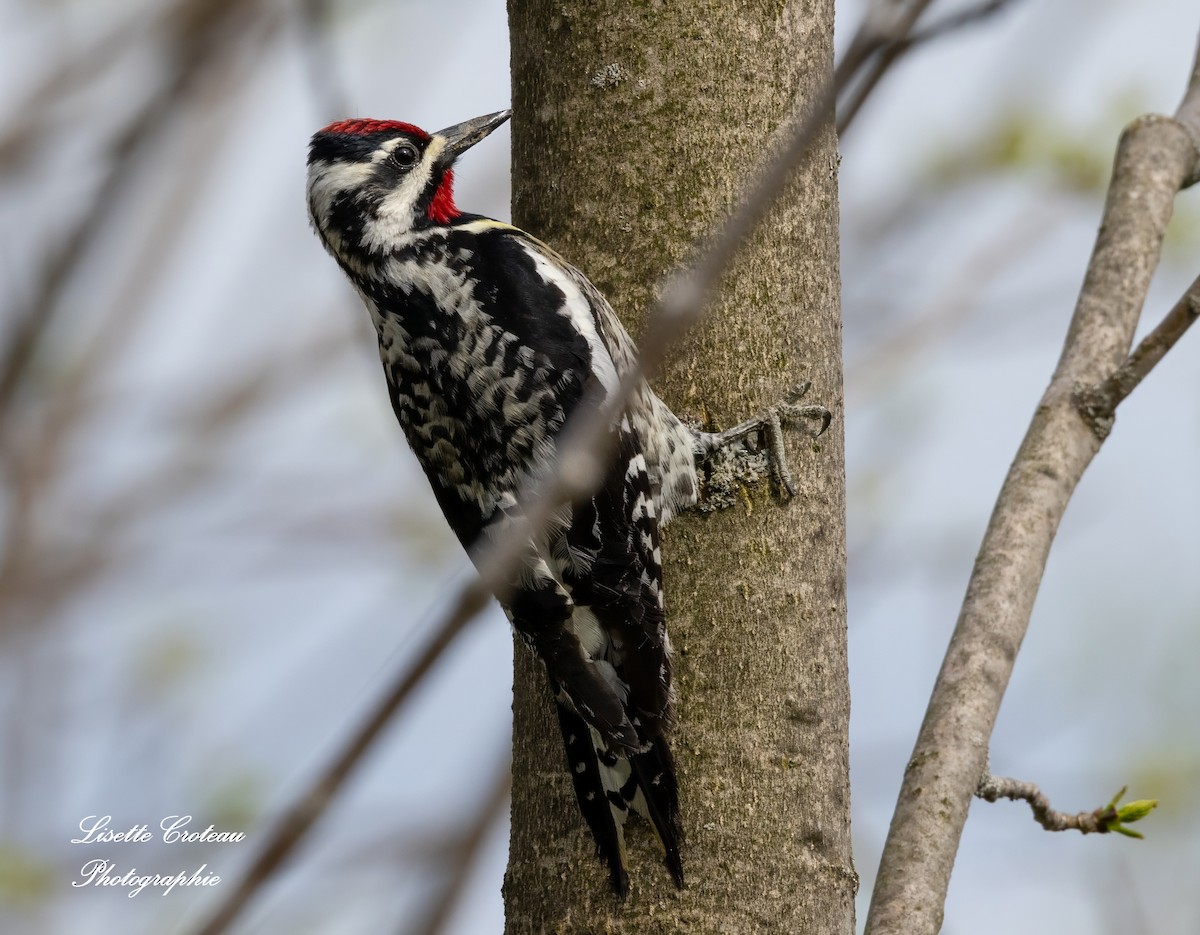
(199, 35)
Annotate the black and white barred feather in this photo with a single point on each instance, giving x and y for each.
(490, 341)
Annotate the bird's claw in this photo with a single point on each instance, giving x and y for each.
(789, 413)
(768, 425)
(802, 416)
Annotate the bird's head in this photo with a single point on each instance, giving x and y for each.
(372, 182)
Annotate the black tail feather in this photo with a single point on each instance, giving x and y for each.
(655, 773)
(652, 773)
(589, 791)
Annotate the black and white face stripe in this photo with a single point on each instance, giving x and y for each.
(369, 192)
(374, 184)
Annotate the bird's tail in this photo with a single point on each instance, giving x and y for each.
(609, 784)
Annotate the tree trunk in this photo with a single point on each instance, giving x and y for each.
(634, 128)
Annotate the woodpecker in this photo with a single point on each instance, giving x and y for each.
(490, 341)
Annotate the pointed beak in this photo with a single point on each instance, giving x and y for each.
(462, 136)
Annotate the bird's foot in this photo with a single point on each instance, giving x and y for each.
(743, 448)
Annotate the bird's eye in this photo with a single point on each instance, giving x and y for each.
(404, 156)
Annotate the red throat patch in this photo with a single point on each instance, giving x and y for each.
(442, 209)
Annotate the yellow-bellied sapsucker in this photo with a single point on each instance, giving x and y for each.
(490, 341)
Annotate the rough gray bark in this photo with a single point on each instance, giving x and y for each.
(634, 126)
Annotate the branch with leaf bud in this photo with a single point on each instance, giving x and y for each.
(1156, 158)
(1110, 817)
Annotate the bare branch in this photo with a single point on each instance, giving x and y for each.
(992, 788)
(1155, 158)
(954, 22)
(1098, 821)
(893, 50)
(684, 298)
(1098, 404)
(865, 86)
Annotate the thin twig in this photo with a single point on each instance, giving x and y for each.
(1097, 821)
(863, 89)
(893, 50)
(1098, 404)
(954, 22)
(685, 297)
